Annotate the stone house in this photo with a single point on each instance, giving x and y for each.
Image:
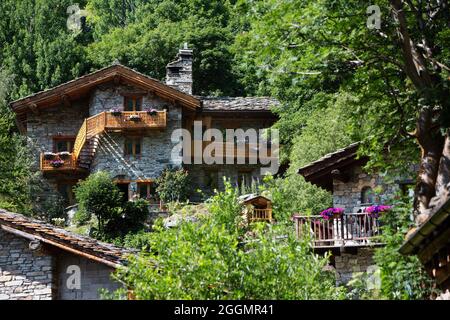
(39, 261)
(124, 122)
(351, 237)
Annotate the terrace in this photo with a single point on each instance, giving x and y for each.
(346, 230)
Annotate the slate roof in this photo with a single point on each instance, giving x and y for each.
(87, 247)
(238, 103)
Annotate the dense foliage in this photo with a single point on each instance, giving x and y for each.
(216, 258)
(173, 185)
(99, 197)
(402, 277)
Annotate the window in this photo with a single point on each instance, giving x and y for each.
(133, 104)
(66, 191)
(133, 147)
(211, 179)
(367, 196)
(147, 190)
(61, 144)
(124, 189)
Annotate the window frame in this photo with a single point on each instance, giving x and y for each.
(135, 100)
(70, 143)
(134, 142)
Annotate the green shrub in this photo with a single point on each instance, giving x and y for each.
(173, 185)
(98, 195)
(402, 277)
(293, 194)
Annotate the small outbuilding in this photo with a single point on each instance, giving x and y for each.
(256, 208)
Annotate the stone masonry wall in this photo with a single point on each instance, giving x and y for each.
(24, 274)
(156, 147)
(347, 264)
(94, 276)
(348, 194)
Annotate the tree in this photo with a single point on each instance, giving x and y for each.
(37, 46)
(14, 159)
(173, 185)
(397, 73)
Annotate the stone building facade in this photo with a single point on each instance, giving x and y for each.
(54, 120)
(41, 262)
(354, 237)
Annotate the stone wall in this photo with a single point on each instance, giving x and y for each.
(94, 276)
(24, 274)
(60, 120)
(156, 145)
(348, 195)
(199, 176)
(347, 264)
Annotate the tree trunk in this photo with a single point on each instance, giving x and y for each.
(443, 177)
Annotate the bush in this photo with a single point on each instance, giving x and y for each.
(98, 195)
(293, 194)
(402, 277)
(173, 185)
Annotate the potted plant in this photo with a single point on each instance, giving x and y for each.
(57, 163)
(135, 117)
(331, 213)
(64, 154)
(116, 112)
(375, 211)
(152, 112)
(49, 155)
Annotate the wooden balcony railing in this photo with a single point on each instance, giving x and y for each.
(256, 215)
(351, 229)
(57, 163)
(135, 120)
(108, 121)
(236, 150)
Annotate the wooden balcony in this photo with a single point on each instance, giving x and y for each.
(58, 163)
(258, 215)
(347, 230)
(235, 150)
(130, 120)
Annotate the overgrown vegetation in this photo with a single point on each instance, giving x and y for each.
(98, 197)
(216, 258)
(173, 185)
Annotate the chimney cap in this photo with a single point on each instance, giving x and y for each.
(185, 51)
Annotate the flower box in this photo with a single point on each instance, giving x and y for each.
(116, 112)
(152, 112)
(375, 211)
(330, 213)
(57, 163)
(49, 155)
(135, 118)
(64, 155)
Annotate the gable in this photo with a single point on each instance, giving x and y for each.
(82, 86)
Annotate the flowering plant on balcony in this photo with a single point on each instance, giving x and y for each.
(57, 163)
(152, 112)
(331, 212)
(49, 155)
(116, 112)
(374, 211)
(64, 155)
(135, 117)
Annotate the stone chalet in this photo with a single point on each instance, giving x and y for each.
(39, 261)
(352, 237)
(121, 121)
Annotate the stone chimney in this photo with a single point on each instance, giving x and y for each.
(179, 72)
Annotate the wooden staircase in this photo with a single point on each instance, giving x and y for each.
(88, 137)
